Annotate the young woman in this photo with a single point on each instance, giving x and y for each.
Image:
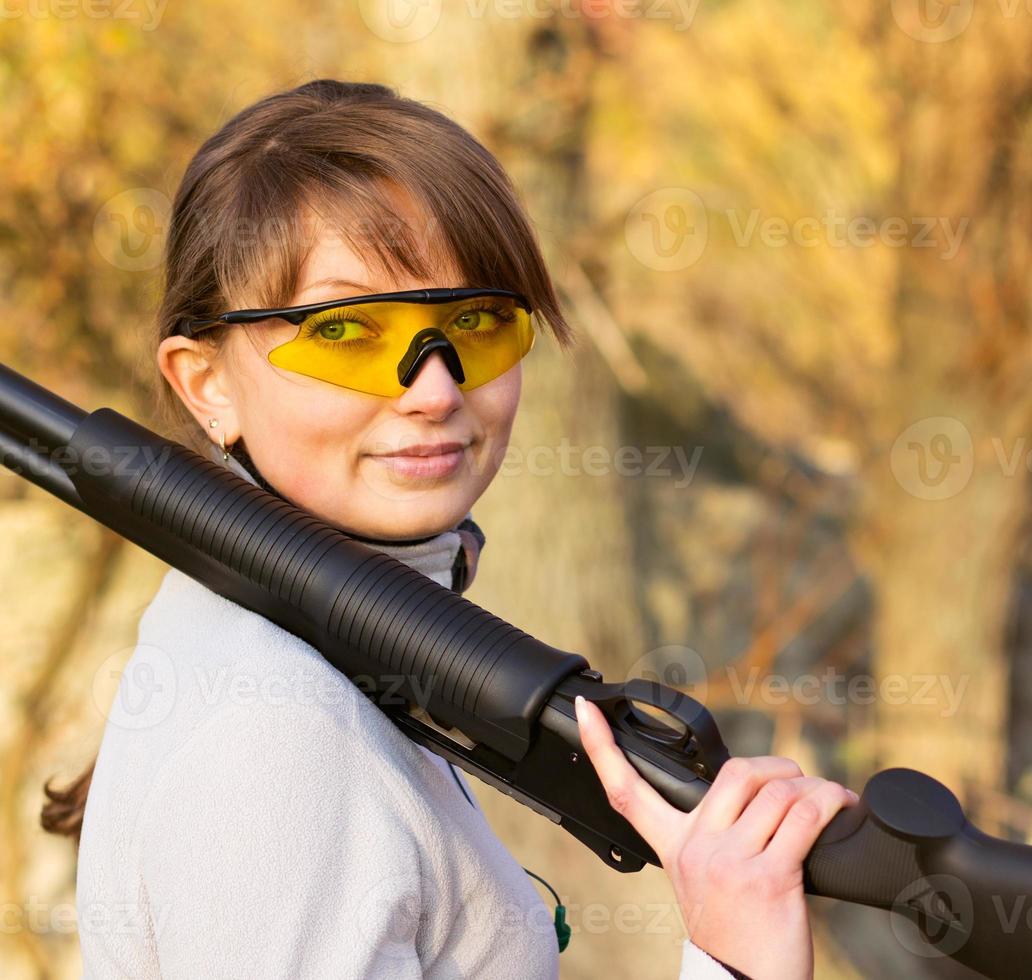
(250, 813)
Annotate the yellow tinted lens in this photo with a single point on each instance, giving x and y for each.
(360, 346)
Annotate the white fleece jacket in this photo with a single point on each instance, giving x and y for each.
(253, 815)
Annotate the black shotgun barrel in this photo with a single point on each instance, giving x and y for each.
(366, 612)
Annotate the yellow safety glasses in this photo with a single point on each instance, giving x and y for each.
(378, 343)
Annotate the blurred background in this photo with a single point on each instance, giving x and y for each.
(786, 469)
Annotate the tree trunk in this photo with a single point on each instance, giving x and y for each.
(941, 572)
(556, 518)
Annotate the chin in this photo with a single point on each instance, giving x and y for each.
(421, 525)
(427, 513)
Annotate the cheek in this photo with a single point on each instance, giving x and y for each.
(494, 404)
(494, 407)
(301, 432)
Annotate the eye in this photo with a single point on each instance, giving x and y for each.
(469, 320)
(483, 318)
(337, 326)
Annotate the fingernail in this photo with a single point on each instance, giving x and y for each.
(578, 707)
(853, 796)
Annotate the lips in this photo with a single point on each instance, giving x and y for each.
(424, 449)
(422, 462)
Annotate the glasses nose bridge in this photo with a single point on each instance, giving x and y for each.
(423, 347)
(422, 323)
(434, 393)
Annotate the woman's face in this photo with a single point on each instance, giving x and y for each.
(334, 451)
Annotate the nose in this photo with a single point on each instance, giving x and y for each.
(433, 391)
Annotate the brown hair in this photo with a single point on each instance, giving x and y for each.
(239, 226)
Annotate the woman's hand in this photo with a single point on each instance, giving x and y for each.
(736, 860)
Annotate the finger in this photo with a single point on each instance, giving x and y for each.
(804, 821)
(630, 795)
(764, 812)
(736, 784)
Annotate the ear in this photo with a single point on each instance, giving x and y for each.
(199, 379)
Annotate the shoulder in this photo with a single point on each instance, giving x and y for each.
(269, 839)
(286, 778)
(218, 658)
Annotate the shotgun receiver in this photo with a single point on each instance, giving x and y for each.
(491, 698)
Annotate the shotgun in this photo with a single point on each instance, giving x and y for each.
(492, 699)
